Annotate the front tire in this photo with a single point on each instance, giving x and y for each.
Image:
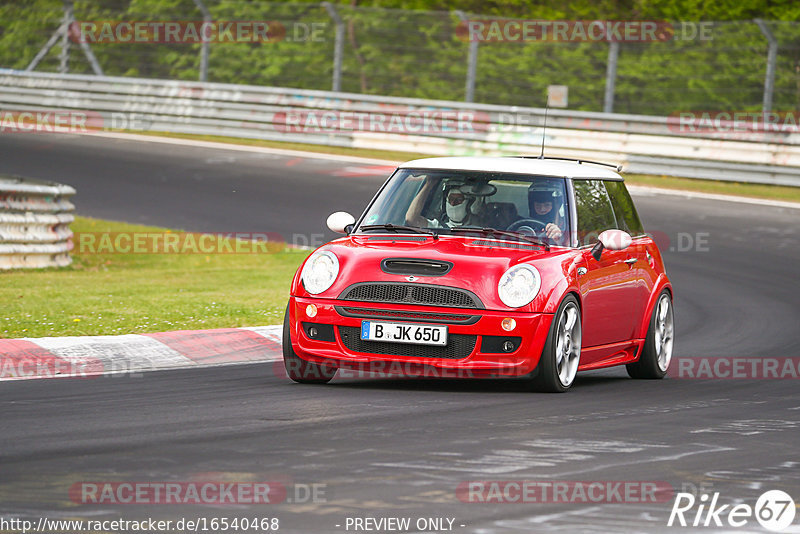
(657, 351)
(561, 355)
(298, 369)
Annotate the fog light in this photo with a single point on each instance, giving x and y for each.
(508, 324)
(508, 346)
(311, 310)
(312, 332)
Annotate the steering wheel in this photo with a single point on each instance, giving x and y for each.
(530, 224)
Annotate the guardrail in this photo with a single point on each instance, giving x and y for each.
(34, 223)
(642, 144)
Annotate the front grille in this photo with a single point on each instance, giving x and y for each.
(428, 317)
(402, 293)
(458, 346)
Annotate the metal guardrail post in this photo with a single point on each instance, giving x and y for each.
(63, 56)
(338, 46)
(63, 32)
(34, 223)
(472, 60)
(46, 48)
(772, 57)
(204, 47)
(611, 77)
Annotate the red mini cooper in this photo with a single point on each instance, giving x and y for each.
(485, 267)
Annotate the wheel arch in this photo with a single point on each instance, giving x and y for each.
(559, 293)
(662, 283)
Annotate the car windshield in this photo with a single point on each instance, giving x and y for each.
(442, 200)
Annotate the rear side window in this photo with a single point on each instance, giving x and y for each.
(595, 213)
(625, 211)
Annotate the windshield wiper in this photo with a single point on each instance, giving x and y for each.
(504, 233)
(400, 228)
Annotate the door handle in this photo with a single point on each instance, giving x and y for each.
(631, 261)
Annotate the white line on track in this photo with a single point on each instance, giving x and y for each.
(635, 189)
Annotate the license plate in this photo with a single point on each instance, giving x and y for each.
(404, 333)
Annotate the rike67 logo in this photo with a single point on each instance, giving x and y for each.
(774, 510)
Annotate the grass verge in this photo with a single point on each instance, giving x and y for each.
(103, 294)
(772, 192)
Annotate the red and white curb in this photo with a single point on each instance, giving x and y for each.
(91, 356)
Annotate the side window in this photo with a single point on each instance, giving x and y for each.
(627, 218)
(595, 213)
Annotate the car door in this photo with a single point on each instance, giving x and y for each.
(637, 254)
(609, 287)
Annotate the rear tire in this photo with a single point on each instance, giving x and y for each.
(657, 351)
(298, 369)
(561, 355)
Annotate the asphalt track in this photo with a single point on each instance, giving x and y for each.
(401, 448)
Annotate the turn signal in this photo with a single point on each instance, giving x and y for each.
(508, 324)
(311, 310)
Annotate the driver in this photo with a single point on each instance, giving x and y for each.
(464, 204)
(546, 204)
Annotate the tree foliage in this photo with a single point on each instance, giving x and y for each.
(414, 48)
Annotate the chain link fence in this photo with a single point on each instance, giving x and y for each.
(745, 65)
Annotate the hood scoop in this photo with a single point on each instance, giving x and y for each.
(504, 244)
(415, 266)
(418, 238)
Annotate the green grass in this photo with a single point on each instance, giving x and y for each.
(101, 294)
(773, 192)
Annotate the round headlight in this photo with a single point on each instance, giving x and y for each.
(320, 271)
(519, 285)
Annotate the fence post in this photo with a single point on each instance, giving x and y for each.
(611, 77)
(204, 47)
(338, 46)
(472, 60)
(772, 56)
(63, 56)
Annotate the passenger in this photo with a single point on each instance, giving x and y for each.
(464, 204)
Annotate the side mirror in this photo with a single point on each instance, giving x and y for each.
(612, 240)
(340, 221)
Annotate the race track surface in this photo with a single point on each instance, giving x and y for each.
(401, 448)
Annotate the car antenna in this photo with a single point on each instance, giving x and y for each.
(544, 128)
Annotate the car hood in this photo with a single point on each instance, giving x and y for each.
(477, 263)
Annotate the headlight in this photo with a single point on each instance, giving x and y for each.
(320, 271)
(519, 285)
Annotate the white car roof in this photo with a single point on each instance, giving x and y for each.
(543, 167)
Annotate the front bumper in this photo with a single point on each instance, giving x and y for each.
(475, 344)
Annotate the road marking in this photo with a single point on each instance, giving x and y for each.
(371, 170)
(646, 191)
(637, 189)
(240, 148)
